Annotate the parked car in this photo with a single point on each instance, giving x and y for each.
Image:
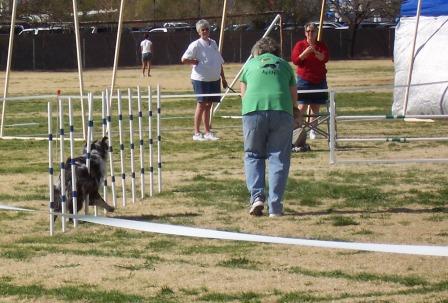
(159, 30)
(237, 27)
(178, 26)
(368, 24)
(5, 29)
(332, 25)
(40, 30)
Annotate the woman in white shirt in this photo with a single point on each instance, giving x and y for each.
(207, 71)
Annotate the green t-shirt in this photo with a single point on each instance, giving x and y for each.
(268, 79)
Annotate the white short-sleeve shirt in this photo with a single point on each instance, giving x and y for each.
(146, 46)
(209, 57)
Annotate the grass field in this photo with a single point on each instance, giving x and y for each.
(203, 186)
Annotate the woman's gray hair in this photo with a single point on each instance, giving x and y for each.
(310, 24)
(265, 45)
(202, 24)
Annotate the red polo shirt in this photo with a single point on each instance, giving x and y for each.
(311, 68)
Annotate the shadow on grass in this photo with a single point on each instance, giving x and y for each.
(396, 210)
(155, 217)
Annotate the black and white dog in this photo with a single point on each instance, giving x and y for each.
(87, 184)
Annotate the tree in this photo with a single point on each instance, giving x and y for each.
(353, 12)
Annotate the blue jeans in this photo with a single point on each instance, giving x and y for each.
(267, 136)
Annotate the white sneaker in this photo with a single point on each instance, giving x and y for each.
(198, 137)
(275, 215)
(312, 134)
(210, 137)
(256, 209)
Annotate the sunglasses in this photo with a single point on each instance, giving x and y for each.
(310, 31)
(205, 29)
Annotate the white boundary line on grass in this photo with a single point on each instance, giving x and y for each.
(425, 250)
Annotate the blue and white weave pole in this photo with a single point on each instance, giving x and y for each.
(62, 163)
(89, 147)
(50, 167)
(103, 133)
(150, 142)
(120, 132)
(110, 149)
(131, 144)
(72, 162)
(141, 143)
(159, 142)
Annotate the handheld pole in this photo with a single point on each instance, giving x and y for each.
(321, 21)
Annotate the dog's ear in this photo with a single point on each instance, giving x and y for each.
(105, 140)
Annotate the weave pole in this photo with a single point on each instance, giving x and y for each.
(89, 149)
(332, 133)
(120, 132)
(62, 163)
(131, 144)
(50, 167)
(150, 141)
(141, 143)
(103, 133)
(72, 162)
(110, 149)
(159, 142)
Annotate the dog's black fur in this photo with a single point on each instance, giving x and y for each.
(86, 183)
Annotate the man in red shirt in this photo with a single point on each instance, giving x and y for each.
(310, 57)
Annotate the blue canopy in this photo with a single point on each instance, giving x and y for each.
(429, 8)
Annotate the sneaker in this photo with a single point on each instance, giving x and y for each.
(275, 215)
(210, 137)
(312, 134)
(256, 209)
(198, 137)
(301, 149)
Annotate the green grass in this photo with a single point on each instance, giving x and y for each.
(353, 202)
(86, 293)
(410, 281)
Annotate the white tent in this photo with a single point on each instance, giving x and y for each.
(420, 58)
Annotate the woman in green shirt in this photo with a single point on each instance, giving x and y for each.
(269, 92)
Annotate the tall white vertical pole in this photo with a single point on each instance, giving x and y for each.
(79, 59)
(72, 162)
(117, 47)
(141, 143)
(104, 132)
(89, 147)
(150, 141)
(411, 63)
(62, 163)
(8, 62)
(50, 168)
(111, 160)
(131, 144)
(159, 142)
(120, 133)
(332, 128)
